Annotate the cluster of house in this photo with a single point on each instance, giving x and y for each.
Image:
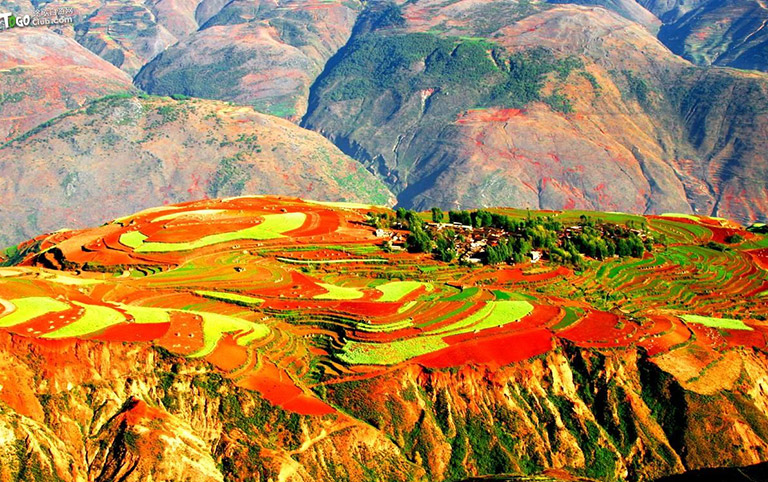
(470, 242)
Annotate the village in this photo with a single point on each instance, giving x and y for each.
(472, 244)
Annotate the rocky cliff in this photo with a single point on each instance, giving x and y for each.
(76, 410)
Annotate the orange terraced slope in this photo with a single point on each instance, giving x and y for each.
(295, 301)
(292, 281)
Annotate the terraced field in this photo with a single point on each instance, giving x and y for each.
(285, 296)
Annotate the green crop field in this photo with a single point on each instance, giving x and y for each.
(223, 296)
(215, 325)
(272, 227)
(148, 315)
(339, 293)
(30, 308)
(721, 323)
(494, 313)
(364, 353)
(94, 319)
(396, 290)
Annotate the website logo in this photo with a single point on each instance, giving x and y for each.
(40, 18)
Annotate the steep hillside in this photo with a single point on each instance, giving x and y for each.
(721, 33)
(706, 32)
(127, 34)
(568, 106)
(631, 9)
(269, 338)
(124, 153)
(265, 54)
(43, 75)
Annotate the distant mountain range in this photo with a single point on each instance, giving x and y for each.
(616, 105)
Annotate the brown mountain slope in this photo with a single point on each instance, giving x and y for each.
(708, 32)
(115, 409)
(131, 33)
(122, 154)
(606, 118)
(722, 33)
(43, 74)
(631, 9)
(200, 427)
(125, 34)
(265, 54)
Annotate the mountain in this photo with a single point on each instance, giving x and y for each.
(631, 9)
(564, 106)
(43, 74)
(265, 54)
(127, 34)
(270, 338)
(721, 33)
(123, 153)
(706, 32)
(466, 104)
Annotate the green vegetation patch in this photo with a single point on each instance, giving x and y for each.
(330, 261)
(94, 319)
(30, 308)
(493, 314)
(572, 315)
(473, 72)
(364, 353)
(465, 294)
(147, 315)
(215, 325)
(339, 293)
(720, 323)
(397, 290)
(224, 296)
(273, 227)
(385, 328)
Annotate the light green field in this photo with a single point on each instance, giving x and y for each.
(71, 280)
(397, 290)
(199, 212)
(147, 315)
(215, 325)
(722, 323)
(223, 296)
(389, 327)
(410, 305)
(681, 216)
(343, 205)
(271, 228)
(493, 314)
(331, 261)
(339, 293)
(30, 308)
(363, 353)
(95, 318)
(124, 219)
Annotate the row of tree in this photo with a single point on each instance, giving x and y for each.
(593, 238)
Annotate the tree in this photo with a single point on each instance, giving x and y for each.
(481, 218)
(445, 249)
(418, 241)
(623, 249)
(461, 217)
(437, 215)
